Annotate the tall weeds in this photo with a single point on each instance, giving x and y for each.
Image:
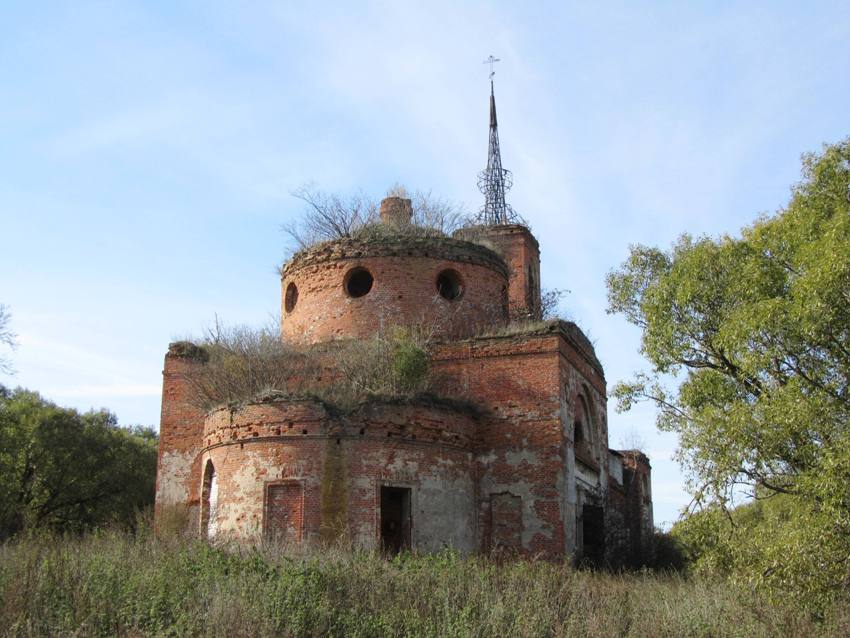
(115, 584)
(241, 363)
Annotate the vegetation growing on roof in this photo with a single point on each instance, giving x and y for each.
(244, 364)
(332, 216)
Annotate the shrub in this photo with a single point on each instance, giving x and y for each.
(241, 362)
(779, 545)
(245, 364)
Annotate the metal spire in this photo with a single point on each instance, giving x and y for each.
(494, 180)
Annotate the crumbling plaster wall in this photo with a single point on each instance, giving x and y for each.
(341, 463)
(582, 381)
(520, 450)
(180, 442)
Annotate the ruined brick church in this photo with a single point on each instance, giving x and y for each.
(523, 465)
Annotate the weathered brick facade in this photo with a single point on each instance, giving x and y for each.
(514, 459)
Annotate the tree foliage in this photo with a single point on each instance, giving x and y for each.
(70, 471)
(782, 544)
(759, 327)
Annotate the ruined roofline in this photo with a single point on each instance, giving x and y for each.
(396, 245)
(416, 422)
(186, 349)
(418, 399)
(571, 333)
(637, 455)
(474, 232)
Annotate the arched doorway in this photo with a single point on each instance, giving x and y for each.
(209, 500)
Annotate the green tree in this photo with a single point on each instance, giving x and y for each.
(757, 330)
(70, 471)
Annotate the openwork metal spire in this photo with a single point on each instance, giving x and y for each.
(494, 181)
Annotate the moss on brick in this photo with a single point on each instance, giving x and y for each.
(425, 399)
(336, 410)
(396, 245)
(188, 350)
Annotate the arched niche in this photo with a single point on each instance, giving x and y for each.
(209, 501)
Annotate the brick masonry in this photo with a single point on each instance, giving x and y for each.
(333, 468)
(404, 290)
(528, 470)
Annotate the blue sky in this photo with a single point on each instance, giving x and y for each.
(148, 152)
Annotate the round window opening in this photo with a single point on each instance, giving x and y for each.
(291, 297)
(449, 285)
(358, 282)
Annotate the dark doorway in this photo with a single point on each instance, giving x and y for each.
(593, 533)
(395, 519)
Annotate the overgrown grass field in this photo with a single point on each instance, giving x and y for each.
(118, 584)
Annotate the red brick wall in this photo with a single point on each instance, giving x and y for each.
(284, 511)
(528, 385)
(520, 249)
(520, 441)
(404, 291)
(180, 439)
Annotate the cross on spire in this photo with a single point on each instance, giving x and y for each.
(491, 61)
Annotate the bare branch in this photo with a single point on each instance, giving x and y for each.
(7, 338)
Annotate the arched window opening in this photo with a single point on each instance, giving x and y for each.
(530, 285)
(209, 501)
(583, 429)
(291, 297)
(578, 433)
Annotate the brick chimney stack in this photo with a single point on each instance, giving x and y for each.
(396, 211)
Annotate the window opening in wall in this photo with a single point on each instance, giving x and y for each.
(583, 430)
(449, 285)
(291, 297)
(358, 282)
(395, 519)
(529, 289)
(593, 534)
(209, 501)
(578, 435)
